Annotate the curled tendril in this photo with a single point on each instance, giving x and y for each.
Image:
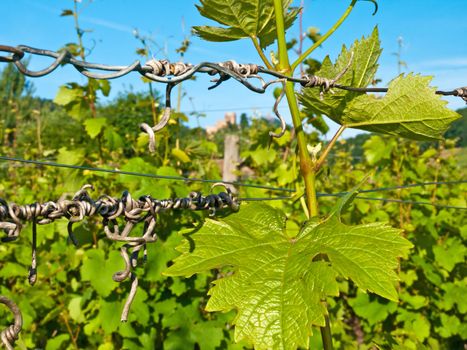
(162, 123)
(374, 3)
(278, 115)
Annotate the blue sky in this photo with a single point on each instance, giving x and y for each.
(433, 32)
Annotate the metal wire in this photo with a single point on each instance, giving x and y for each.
(10, 334)
(109, 209)
(421, 184)
(163, 71)
(406, 201)
(154, 176)
(233, 183)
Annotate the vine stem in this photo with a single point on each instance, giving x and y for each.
(331, 144)
(306, 164)
(254, 39)
(324, 37)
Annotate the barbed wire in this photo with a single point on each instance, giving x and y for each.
(164, 71)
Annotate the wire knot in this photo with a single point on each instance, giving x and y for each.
(315, 81)
(244, 70)
(325, 83)
(462, 93)
(162, 68)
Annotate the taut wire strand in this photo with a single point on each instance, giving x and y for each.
(154, 176)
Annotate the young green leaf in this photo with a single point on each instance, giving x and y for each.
(360, 74)
(94, 126)
(410, 109)
(67, 95)
(277, 287)
(180, 155)
(243, 19)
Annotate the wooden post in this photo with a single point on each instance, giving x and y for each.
(231, 158)
(231, 150)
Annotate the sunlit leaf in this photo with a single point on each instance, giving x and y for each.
(361, 72)
(94, 126)
(180, 155)
(66, 95)
(276, 285)
(410, 109)
(242, 19)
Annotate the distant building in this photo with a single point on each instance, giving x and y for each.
(230, 118)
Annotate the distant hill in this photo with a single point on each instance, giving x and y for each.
(458, 129)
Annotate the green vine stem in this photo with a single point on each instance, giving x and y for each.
(306, 165)
(319, 163)
(324, 37)
(254, 39)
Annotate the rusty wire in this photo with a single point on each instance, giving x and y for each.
(119, 218)
(163, 71)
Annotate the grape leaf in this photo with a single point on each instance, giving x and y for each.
(67, 95)
(98, 271)
(94, 126)
(450, 253)
(243, 19)
(373, 311)
(410, 109)
(360, 74)
(276, 285)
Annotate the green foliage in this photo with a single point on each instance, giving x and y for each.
(94, 126)
(243, 19)
(410, 109)
(360, 74)
(290, 286)
(277, 273)
(457, 129)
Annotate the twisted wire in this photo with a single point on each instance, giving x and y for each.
(164, 71)
(9, 335)
(130, 211)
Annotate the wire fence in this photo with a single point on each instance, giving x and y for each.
(250, 185)
(173, 73)
(113, 211)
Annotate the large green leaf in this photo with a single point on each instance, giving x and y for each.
(410, 109)
(278, 282)
(360, 74)
(243, 19)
